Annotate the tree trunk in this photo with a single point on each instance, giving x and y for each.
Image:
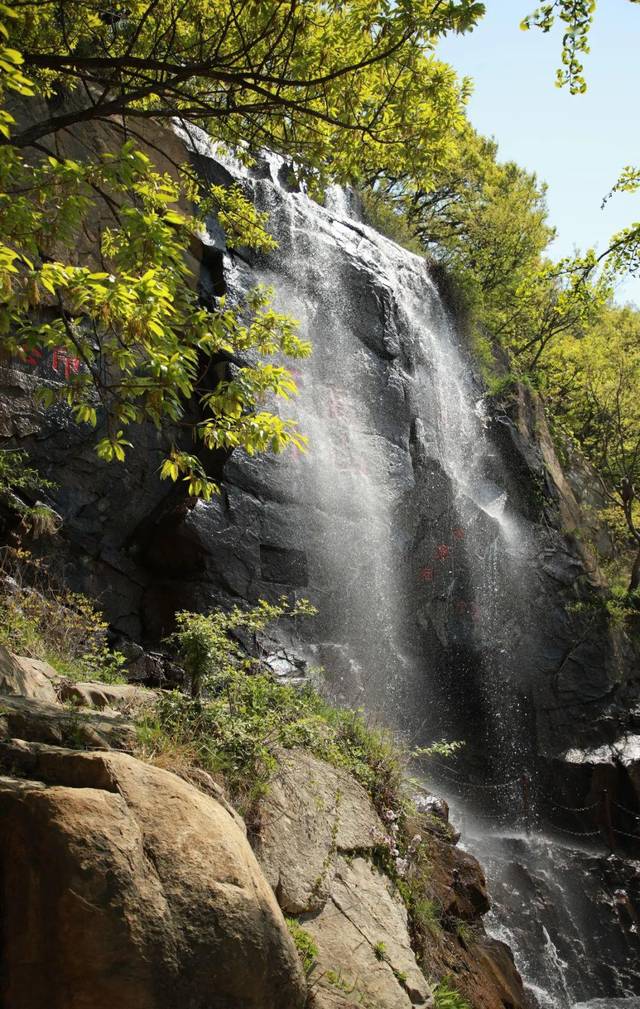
(635, 573)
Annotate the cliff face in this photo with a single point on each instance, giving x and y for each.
(438, 536)
(435, 532)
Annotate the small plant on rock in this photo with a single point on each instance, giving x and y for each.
(306, 947)
(380, 951)
(426, 914)
(447, 996)
(20, 487)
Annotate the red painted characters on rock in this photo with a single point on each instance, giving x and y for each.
(62, 359)
(62, 362)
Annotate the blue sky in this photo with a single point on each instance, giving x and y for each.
(577, 144)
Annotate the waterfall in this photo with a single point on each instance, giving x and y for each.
(401, 525)
(368, 480)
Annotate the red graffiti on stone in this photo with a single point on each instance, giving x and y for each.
(442, 552)
(62, 359)
(460, 607)
(426, 574)
(475, 611)
(458, 533)
(297, 376)
(34, 357)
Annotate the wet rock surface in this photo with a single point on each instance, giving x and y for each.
(570, 913)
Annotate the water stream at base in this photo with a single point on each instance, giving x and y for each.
(359, 487)
(565, 907)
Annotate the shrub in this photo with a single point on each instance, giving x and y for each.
(210, 653)
(236, 730)
(44, 621)
(239, 714)
(18, 483)
(616, 604)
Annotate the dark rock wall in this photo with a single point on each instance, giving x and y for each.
(429, 610)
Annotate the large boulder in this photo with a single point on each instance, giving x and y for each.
(317, 809)
(364, 951)
(123, 885)
(317, 837)
(26, 677)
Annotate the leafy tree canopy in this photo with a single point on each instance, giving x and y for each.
(339, 86)
(591, 381)
(345, 88)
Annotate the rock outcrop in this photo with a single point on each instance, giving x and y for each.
(318, 809)
(124, 885)
(318, 841)
(350, 908)
(26, 677)
(401, 581)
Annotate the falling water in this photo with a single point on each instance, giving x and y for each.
(401, 519)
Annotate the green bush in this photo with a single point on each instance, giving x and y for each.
(616, 604)
(18, 483)
(247, 715)
(206, 645)
(239, 714)
(43, 621)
